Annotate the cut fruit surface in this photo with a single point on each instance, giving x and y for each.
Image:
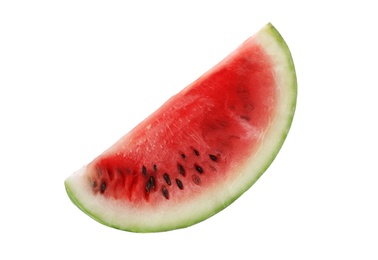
(200, 150)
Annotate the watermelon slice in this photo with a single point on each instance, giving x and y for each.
(200, 150)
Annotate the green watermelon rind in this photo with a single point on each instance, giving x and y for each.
(277, 49)
(76, 202)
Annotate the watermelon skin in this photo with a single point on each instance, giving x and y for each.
(230, 123)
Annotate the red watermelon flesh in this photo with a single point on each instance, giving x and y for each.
(199, 151)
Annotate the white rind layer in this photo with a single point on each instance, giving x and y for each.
(178, 215)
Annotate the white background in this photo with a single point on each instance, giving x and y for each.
(77, 75)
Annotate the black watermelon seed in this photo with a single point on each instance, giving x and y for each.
(152, 180)
(181, 169)
(155, 167)
(103, 187)
(183, 156)
(165, 192)
(144, 170)
(213, 157)
(199, 169)
(179, 184)
(167, 179)
(196, 179)
(150, 184)
(196, 152)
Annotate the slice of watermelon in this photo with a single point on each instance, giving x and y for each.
(201, 150)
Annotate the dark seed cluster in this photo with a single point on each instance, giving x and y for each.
(150, 184)
(157, 180)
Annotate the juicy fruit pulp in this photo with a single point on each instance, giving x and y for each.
(201, 150)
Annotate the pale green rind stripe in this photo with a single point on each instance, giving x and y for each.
(275, 46)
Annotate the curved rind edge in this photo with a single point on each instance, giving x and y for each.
(265, 35)
(77, 203)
